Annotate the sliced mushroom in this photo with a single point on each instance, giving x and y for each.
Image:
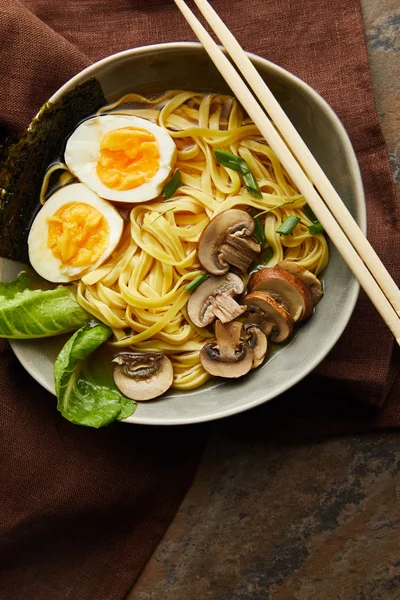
(286, 289)
(308, 278)
(214, 299)
(228, 240)
(142, 375)
(228, 355)
(272, 318)
(257, 341)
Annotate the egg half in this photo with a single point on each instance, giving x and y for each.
(74, 233)
(121, 158)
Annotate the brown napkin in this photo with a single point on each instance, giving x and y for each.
(81, 510)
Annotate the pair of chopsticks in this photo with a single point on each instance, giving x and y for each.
(336, 220)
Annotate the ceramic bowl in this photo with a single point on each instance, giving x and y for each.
(153, 69)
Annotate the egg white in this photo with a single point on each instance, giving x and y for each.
(83, 151)
(40, 255)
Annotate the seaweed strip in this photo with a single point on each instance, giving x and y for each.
(23, 163)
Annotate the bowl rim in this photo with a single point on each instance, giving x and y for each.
(362, 221)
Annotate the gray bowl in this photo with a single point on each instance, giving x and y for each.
(153, 69)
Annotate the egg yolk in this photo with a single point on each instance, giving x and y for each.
(128, 158)
(78, 234)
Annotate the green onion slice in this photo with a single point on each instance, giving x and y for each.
(162, 214)
(197, 281)
(265, 257)
(288, 225)
(258, 228)
(316, 226)
(172, 185)
(231, 161)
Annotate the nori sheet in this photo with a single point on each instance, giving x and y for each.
(23, 163)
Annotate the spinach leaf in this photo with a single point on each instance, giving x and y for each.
(26, 314)
(85, 390)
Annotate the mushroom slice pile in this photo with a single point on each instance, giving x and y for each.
(142, 375)
(257, 341)
(286, 289)
(228, 241)
(214, 298)
(228, 355)
(308, 278)
(272, 318)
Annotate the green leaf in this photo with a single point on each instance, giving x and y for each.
(172, 185)
(26, 314)
(10, 288)
(86, 393)
(197, 281)
(231, 161)
(25, 158)
(288, 225)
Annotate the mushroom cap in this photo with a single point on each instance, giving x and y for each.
(257, 340)
(269, 315)
(286, 288)
(228, 355)
(214, 297)
(227, 240)
(308, 278)
(142, 375)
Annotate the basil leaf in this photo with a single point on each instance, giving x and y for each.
(85, 391)
(231, 161)
(197, 281)
(26, 314)
(288, 225)
(172, 185)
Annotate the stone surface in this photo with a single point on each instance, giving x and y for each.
(314, 521)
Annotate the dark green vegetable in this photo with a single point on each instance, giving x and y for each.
(231, 161)
(288, 225)
(197, 281)
(27, 313)
(258, 228)
(262, 260)
(85, 391)
(316, 226)
(25, 159)
(172, 185)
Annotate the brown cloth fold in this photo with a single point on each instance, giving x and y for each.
(82, 510)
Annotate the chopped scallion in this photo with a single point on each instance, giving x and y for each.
(231, 161)
(288, 225)
(162, 214)
(258, 228)
(196, 282)
(262, 261)
(172, 185)
(316, 226)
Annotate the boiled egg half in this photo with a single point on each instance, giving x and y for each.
(74, 233)
(121, 158)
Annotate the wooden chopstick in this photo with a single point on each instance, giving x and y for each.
(268, 131)
(303, 154)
